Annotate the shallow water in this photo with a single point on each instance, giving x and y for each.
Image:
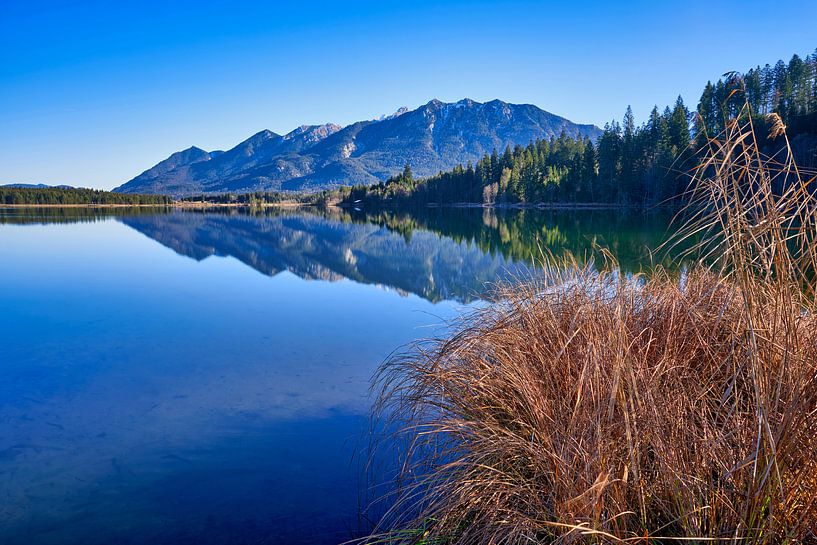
(189, 377)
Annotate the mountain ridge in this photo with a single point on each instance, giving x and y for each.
(435, 136)
(19, 185)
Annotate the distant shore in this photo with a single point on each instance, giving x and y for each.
(85, 205)
(516, 206)
(180, 204)
(540, 206)
(199, 205)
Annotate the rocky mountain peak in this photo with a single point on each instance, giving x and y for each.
(436, 136)
(313, 133)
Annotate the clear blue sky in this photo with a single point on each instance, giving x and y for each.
(92, 94)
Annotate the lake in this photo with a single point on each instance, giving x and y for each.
(203, 377)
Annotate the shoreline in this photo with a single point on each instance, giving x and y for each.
(195, 205)
(86, 205)
(198, 205)
(517, 206)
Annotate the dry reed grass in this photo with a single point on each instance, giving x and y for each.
(583, 407)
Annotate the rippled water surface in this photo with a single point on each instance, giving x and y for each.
(191, 377)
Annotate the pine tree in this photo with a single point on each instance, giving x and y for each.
(609, 162)
(408, 175)
(589, 173)
(754, 95)
(679, 126)
(708, 112)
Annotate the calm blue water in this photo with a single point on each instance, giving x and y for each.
(204, 378)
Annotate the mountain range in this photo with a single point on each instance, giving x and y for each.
(37, 186)
(436, 136)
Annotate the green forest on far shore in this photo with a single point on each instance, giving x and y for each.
(10, 195)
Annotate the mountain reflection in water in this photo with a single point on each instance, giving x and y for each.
(439, 254)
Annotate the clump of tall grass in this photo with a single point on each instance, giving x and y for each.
(586, 407)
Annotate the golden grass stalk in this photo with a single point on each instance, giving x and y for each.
(585, 407)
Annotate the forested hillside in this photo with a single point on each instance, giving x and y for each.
(61, 196)
(635, 165)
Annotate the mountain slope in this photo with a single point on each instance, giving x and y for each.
(436, 136)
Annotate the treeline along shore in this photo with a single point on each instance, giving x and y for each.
(92, 198)
(59, 196)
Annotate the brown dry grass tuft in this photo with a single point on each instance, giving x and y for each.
(584, 407)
